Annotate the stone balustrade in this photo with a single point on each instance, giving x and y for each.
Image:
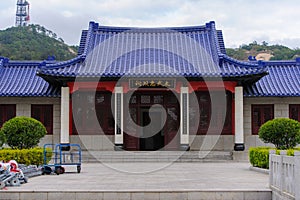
(284, 175)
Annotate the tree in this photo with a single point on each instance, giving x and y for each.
(278, 52)
(284, 133)
(2, 139)
(23, 132)
(264, 43)
(33, 42)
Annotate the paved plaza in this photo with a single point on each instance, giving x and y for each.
(213, 180)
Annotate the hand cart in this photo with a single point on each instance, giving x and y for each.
(58, 155)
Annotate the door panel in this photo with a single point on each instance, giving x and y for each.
(130, 141)
(150, 140)
(139, 104)
(171, 129)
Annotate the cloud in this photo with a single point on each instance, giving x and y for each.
(67, 13)
(8, 16)
(241, 21)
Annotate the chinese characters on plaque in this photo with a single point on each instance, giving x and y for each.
(152, 83)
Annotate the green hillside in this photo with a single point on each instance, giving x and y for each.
(33, 42)
(263, 52)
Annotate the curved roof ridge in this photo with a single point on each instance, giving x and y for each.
(243, 63)
(279, 62)
(57, 65)
(214, 36)
(24, 63)
(6, 62)
(191, 28)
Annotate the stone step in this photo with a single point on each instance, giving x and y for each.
(137, 195)
(156, 156)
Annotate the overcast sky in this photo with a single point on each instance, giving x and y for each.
(273, 21)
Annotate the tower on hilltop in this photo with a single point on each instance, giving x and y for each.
(22, 14)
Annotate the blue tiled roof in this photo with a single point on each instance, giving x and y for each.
(234, 68)
(18, 78)
(283, 80)
(150, 52)
(154, 62)
(196, 51)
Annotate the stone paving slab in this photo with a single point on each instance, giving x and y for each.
(228, 180)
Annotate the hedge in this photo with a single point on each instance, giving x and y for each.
(259, 156)
(24, 156)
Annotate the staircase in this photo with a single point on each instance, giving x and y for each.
(155, 156)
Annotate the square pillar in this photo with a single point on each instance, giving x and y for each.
(118, 118)
(239, 119)
(65, 121)
(297, 174)
(184, 119)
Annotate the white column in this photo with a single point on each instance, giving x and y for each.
(239, 119)
(119, 117)
(64, 117)
(184, 118)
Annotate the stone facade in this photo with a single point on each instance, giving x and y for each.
(23, 108)
(212, 142)
(94, 142)
(281, 110)
(102, 142)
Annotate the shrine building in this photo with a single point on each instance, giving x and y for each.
(148, 89)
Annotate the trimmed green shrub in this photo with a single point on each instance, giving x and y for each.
(32, 156)
(2, 139)
(259, 156)
(284, 133)
(23, 132)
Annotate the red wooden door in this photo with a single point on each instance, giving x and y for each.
(131, 143)
(139, 105)
(131, 137)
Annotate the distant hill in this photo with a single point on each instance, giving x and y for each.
(263, 52)
(33, 42)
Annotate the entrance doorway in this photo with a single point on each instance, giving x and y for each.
(151, 139)
(165, 135)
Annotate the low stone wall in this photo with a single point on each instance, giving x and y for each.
(284, 175)
(94, 142)
(212, 142)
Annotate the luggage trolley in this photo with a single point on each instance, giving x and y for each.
(58, 155)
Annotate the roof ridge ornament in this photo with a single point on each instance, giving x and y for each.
(51, 58)
(5, 61)
(211, 25)
(298, 61)
(252, 58)
(261, 63)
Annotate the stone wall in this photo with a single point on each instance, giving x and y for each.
(94, 142)
(212, 142)
(102, 142)
(281, 109)
(23, 108)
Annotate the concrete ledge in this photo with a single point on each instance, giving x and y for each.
(137, 195)
(260, 170)
(217, 180)
(240, 156)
